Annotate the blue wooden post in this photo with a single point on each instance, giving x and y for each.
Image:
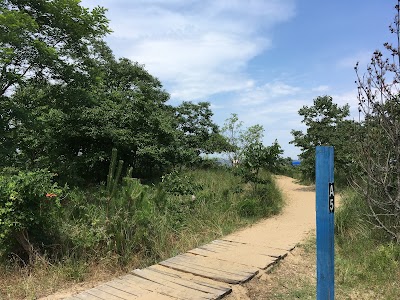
(325, 207)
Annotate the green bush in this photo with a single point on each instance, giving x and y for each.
(180, 184)
(263, 201)
(29, 211)
(249, 207)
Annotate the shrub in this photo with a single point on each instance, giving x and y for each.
(29, 204)
(180, 184)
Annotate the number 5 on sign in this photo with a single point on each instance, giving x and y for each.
(331, 197)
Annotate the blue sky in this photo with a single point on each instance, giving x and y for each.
(261, 59)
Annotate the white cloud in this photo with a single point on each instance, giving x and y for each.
(196, 48)
(266, 93)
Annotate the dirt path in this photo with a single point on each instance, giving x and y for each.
(222, 265)
(291, 226)
(294, 225)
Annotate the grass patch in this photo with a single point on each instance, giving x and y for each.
(365, 262)
(103, 236)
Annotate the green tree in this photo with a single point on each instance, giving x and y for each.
(326, 125)
(46, 39)
(239, 138)
(256, 156)
(248, 149)
(198, 134)
(71, 128)
(42, 40)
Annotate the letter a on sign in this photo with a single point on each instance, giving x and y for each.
(331, 197)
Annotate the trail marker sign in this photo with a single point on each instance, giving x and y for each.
(325, 208)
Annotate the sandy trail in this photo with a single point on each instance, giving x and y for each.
(292, 226)
(288, 228)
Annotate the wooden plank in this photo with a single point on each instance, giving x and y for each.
(116, 292)
(221, 286)
(214, 264)
(234, 242)
(209, 290)
(102, 294)
(202, 252)
(119, 284)
(260, 261)
(177, 280)
(189, 292)
(272, 251)
(153, 286)
(198, 282)
(260, 243)
(244, 254)
(216, 268)
(142, 294)
(203, 273)
(219, 271)
(86, 296)
(223, 243)
(155, 296)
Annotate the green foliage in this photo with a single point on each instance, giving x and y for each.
(29, 210)
(46, 39)
(149, 220)
(286, 168)
(72, 128)
(248, 150)
(180, 184)
(111, 181)
(326, 125)
(257, 156)
(263, 200)
(197, 132)
(241, 139)
(98, 225)
(67, 101)
(351, 221)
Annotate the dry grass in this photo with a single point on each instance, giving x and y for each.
(44, 279)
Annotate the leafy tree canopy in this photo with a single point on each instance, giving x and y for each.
(197, 132)
(326, 125)
(46, 39)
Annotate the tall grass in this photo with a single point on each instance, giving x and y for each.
(366, 260)
(137, 225)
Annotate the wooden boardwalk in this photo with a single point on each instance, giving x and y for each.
(206, 272)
